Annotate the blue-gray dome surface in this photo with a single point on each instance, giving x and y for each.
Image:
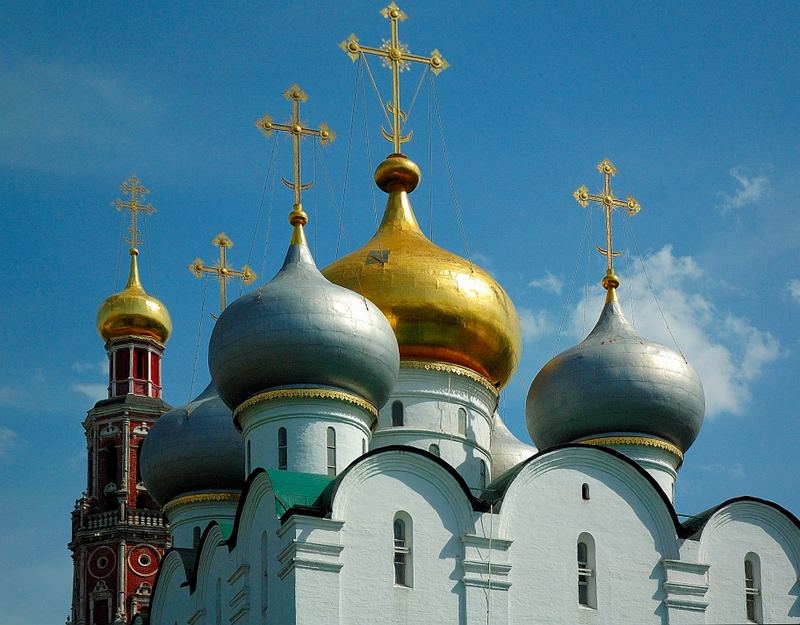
(300, 330)
(615, 383)
(193, 448)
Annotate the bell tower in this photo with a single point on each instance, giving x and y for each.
(118, 532)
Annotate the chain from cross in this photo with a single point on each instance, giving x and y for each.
(609, 203)
(398, 59)
(135, 191)
(222, 270)
(296, 129)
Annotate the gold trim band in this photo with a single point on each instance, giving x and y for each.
(645, 441)
(199, 498)
(306, 393)
(429, 365)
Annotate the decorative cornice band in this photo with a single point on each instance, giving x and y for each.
(645, 441)
(429, 365)
(199, 498)
(306, 393)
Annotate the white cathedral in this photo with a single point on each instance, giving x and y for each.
(348, 464)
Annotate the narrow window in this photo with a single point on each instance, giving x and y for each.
(249, 457)
(587, 589)
(282, 449)
(264, 572)
(482, 476)
(397, 413)
(218, 603)
(363, 446)
(585, 492)
(462, 422)
(434, 449)
(331, 445)
(402, 530)
(752, 588)
(195, 537)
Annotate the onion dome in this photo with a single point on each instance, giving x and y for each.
(507, 450)
(193, 448)
(615, 383)
(132, 312)
(442, 307)
(301, 331)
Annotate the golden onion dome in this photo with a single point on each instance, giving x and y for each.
(441, 307)
(132, 312)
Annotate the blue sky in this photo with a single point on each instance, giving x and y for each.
(696, 105)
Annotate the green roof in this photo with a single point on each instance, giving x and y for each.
(297, 489)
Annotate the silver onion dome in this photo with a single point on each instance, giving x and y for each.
(615, 382)
(506, 449)
(193, 448)
(300, 330)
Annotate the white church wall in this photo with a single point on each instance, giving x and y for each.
(170, 600)
(625, 523)
(431, 401)
(209, 604)
(750, 527)
(306, 422)
(437, 513)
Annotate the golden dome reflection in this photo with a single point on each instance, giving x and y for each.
(132, 312)
(441, 306)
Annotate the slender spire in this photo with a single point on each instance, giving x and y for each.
(222, 270)
(398, 59)
(609, 202)
(298, 217)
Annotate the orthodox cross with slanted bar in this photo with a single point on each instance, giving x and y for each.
(222, 270)
(396, 57)
(135, 191)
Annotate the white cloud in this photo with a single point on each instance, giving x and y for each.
(793, 286)
(728, 352)
(8, 439)
(82, 367)
(751, 189)
(548, 282)
(535, 324)
(94, 392)
(734, 471)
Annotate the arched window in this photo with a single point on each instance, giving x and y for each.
(249, 458)
(752, 588)
(482, 475)
(462, 421)
(218, 603)
(585, 492)
(587, 586)
(363, 445)
(195, 537)
(264, 572)
(434, 449)
(282, 452)
(397, 413)
(403, 561)
(331, 449)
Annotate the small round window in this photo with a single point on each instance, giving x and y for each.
(144, 560)
(102, 562)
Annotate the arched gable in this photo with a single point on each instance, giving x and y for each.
(170, 594)
(416, 464)
(643, 494)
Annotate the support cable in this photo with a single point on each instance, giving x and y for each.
(581, 246)
(270, 203)
(197, 341)
(377, 91)
(450, 175)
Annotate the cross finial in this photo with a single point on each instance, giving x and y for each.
(295, 128)
(135, 191)
(397, 58)
(222, 270)
(609, 203)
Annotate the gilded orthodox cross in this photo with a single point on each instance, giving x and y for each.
(609, 202)
(222, 270)
(296, 95)
(396, 57)
(135, 191)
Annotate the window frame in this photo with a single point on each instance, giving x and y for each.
(586, 572)
(330, 451)
(402, 550)
(283, 449)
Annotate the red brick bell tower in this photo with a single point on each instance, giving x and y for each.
(118, 532)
